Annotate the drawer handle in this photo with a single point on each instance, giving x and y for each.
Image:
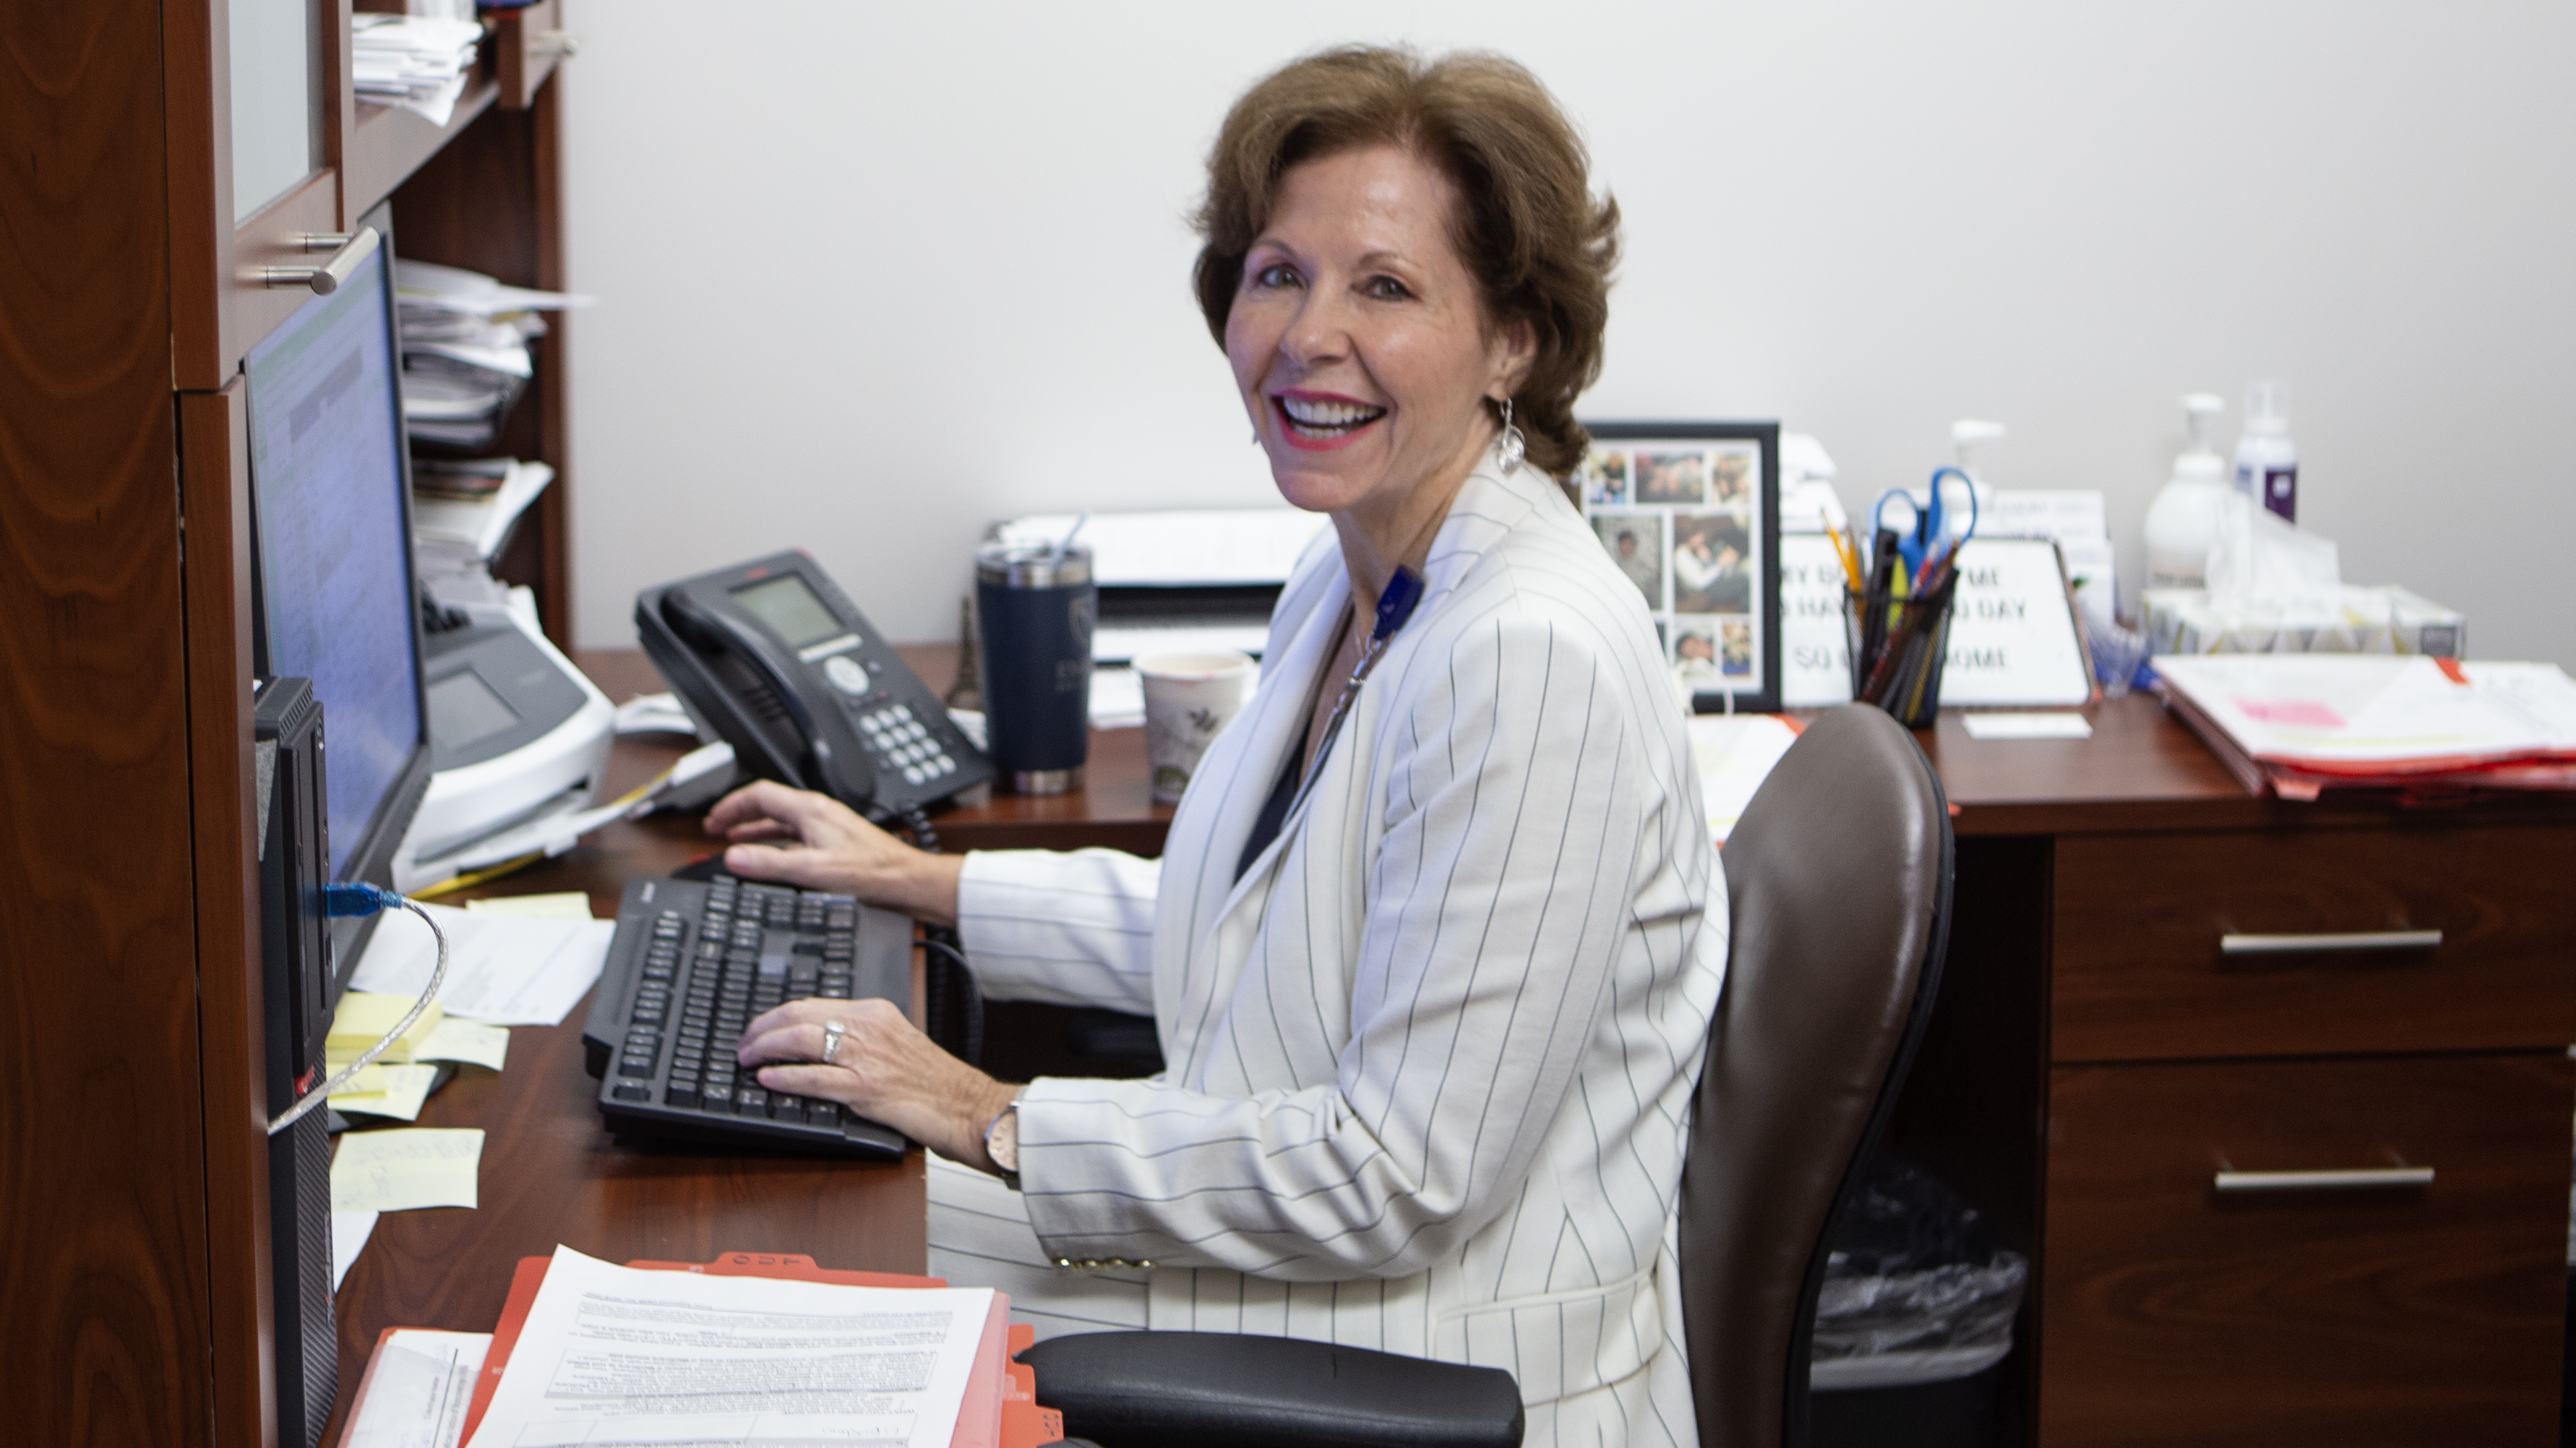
(2323, 1181)
(2321, 944)
(346, 253)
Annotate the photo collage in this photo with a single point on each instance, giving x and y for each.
(1678, 519)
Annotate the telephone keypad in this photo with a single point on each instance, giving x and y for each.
(906, 744)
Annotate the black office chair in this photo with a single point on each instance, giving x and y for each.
(1838, 885)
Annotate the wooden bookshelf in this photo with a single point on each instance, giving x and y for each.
(133, 1212)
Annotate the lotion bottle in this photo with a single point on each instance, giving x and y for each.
(2267, 462)
(2183, 520)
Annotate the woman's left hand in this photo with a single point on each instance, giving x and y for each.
(885, 1069)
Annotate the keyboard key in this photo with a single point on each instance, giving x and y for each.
(629, 1091)
(823, 1113)
(716, 1098)
(681, 1094)
(783, 1107)
(751, 1101)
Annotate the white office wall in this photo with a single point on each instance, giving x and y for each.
(872, 276)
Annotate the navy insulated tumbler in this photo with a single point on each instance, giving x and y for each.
(1035, 609)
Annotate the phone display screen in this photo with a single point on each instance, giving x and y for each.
(791, 610)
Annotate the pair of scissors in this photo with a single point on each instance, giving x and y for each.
(1930, 529)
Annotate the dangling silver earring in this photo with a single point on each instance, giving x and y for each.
(1514, 446)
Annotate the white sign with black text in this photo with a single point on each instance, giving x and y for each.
(2013, 639)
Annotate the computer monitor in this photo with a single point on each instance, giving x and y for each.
(336, 601)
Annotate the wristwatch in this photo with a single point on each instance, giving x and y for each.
(1002, 1144)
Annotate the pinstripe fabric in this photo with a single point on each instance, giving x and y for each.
(1429, 1060)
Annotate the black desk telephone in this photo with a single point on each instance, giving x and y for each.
(774, 657)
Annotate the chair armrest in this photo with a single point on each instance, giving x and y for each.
(1148, 1389)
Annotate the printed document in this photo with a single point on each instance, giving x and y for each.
(417, 1388)
(616, 1355)
(502, 970)
(2351, 713)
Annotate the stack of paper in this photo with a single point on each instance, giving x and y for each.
(412, 61)
(2300, 723)
(465, 349)
(473, 505)
(608, 1354)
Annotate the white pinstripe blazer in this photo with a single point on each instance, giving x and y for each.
(1429, 1061)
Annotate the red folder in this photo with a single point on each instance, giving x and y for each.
(1000, 1408)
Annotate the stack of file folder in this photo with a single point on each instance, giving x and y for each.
(465, 350)
(2296, 725)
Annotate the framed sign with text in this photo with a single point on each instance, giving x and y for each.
(2014, 638)
(1690, 513)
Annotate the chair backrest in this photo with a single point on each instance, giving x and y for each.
(1838, 884)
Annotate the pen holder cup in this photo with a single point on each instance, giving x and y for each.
(1897, 648)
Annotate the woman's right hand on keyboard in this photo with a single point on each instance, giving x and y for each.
(797, 837)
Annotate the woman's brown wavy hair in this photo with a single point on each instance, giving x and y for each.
(1539, 246)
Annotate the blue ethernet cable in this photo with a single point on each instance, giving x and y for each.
(364, 899)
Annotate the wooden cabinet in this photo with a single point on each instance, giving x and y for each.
(2387, 1311)
(2155, 980)
(134, 1299)
(2274, 942)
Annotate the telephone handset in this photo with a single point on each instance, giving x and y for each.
(775, 659)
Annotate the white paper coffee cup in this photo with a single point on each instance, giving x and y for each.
(1189, 697)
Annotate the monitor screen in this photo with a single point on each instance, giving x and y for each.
(326, 459)
(791, 610)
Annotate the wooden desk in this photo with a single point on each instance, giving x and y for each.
(2088, 1065)
(550, 1173)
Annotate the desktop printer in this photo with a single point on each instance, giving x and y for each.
(517, 734)
(1183, 579)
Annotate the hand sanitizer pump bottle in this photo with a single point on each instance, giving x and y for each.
(1965, 434)
(2267, 462)
(2182, 522)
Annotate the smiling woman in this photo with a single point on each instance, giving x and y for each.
(1522, 221)
(1437, 933)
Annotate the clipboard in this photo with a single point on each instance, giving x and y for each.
(1000, 1408)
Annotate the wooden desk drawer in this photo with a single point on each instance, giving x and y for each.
(2172, 1312)
(2139, 974)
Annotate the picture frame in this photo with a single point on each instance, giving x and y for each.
(1690, 513)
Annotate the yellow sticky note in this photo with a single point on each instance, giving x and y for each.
(365, 1015)
(567, 905)
(397, 1171)
(470, 1041)
(398, 1092)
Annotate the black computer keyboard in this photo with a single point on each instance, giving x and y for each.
(693, 962)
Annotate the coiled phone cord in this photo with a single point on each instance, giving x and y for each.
(361, 899)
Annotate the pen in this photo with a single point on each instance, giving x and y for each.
(1843, 553)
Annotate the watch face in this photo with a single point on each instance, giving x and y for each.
(1002, 1140)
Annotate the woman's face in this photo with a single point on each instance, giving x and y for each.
(1358, 338)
